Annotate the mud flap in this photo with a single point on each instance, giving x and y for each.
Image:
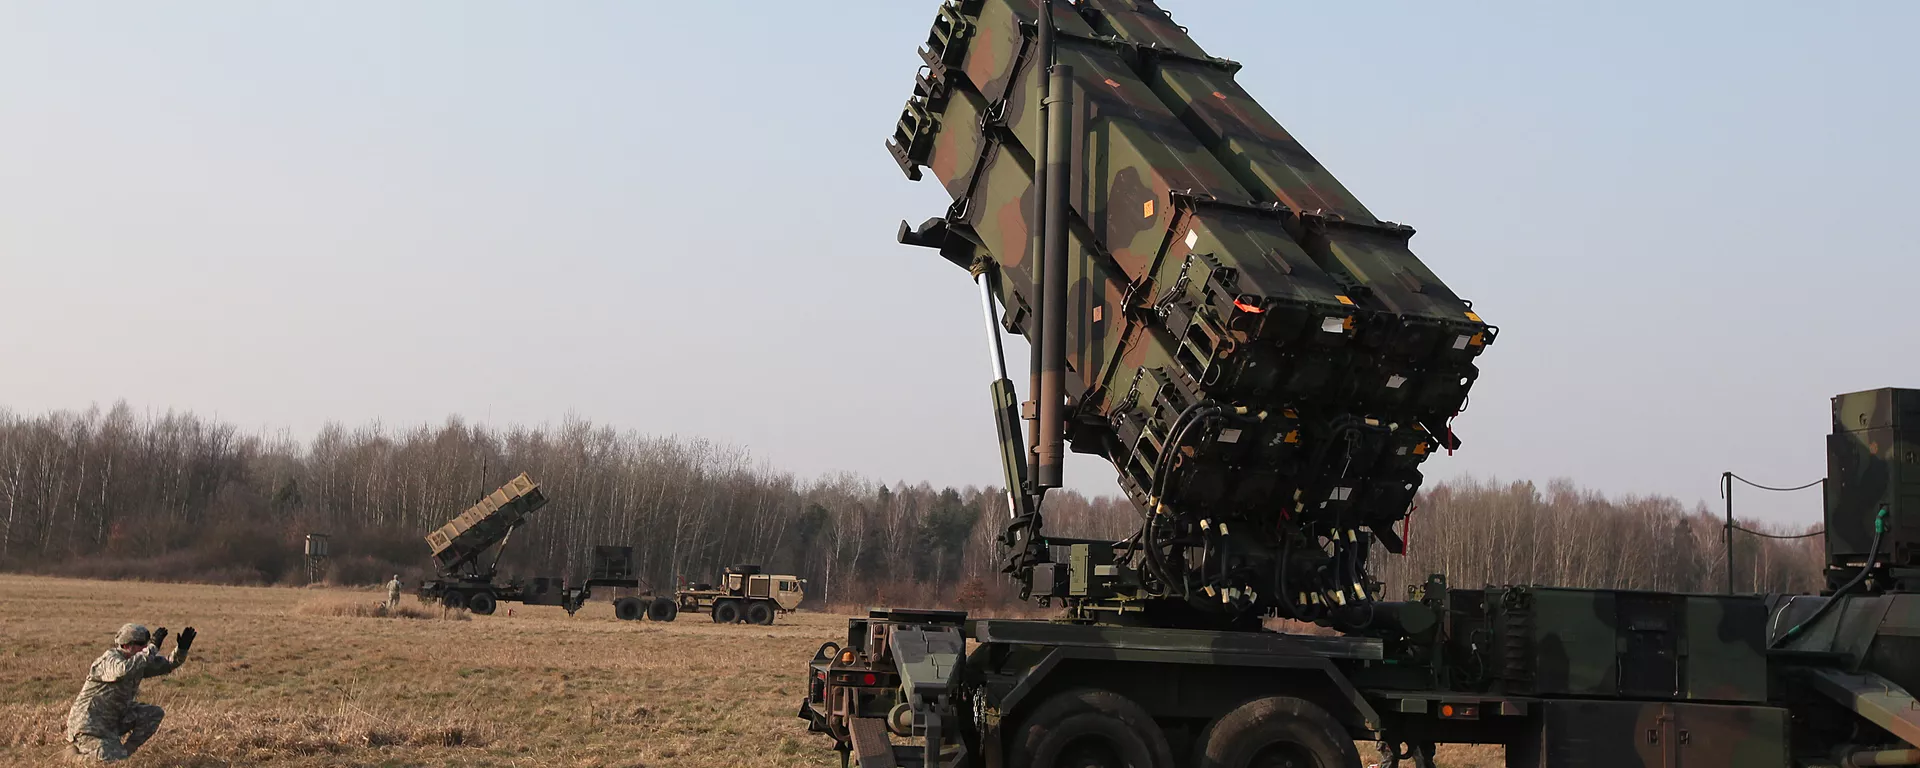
(871, 747)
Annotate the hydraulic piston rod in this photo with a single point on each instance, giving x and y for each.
(1053, 335)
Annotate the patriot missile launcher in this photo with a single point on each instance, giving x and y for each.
(1267, 364)
(465, 582)
(1264, 360)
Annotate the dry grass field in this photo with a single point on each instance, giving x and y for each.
(299, 677)
(275, 681)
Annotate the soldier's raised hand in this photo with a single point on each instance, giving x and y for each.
(186, 638)
(159, 636)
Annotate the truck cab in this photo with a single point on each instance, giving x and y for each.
(748, 582)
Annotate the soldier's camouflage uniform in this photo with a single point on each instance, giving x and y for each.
(106, 710)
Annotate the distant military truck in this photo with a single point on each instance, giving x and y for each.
(743, 594)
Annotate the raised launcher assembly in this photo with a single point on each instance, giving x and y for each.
(1262, 359)
(457, 546)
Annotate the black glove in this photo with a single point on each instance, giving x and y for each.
(186, 639)
(159, 636)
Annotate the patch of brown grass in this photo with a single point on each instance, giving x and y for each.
(283, 677)
(279, 678)
(377, 609)
(1471, 756)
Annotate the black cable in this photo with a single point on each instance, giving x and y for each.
(1161, 467)
(1771, 488)
(1280, 582)
(1197, 413)
(1820, 532)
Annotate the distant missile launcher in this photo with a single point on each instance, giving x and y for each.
(486, 523)
(1262, 359)
(465, 581)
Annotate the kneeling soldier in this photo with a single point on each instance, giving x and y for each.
(105, 710)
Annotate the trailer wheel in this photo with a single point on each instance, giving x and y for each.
(1276, 732)
(1089, 728)
(726, 611)
(759, 612)
(481, 603)
(628, 609)
(663, 609)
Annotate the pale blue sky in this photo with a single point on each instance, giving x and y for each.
(1691, 221)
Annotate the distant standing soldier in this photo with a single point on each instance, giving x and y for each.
(393, 593)
(105, 710)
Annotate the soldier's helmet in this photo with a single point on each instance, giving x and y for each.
(132, 634)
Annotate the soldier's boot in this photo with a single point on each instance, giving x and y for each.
(142, 720)
(92, 749)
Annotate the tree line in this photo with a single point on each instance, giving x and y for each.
(117, 494)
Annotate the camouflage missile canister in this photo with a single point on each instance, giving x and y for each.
(1264, 360)
(485, 523)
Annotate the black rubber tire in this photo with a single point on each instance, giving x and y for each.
(481, 603)
(1276, 732)
(663, 609)
(629, 609)
(726, 611)
(760, 612)
(1088, 728)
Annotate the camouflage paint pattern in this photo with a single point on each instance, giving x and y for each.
(1870, 633)
(1630, 644)
(1629, 734)
(1215, 267)
(1873, 463)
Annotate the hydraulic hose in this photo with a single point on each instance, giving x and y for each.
(1163, 468)
(1873, 553)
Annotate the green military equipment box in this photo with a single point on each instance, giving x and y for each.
(614, 566)
(1609, 734)
(1618, 643)
(1873, 463)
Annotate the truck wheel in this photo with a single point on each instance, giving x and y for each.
(1276, 732)
(628, 609)
(726, 612)
(1089, 728)
(481, 603)
(759, 612)
(663, 609)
